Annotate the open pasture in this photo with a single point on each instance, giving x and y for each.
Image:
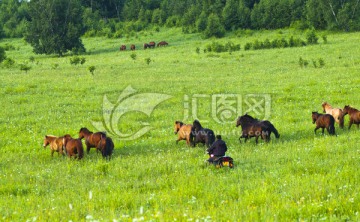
(300, 176)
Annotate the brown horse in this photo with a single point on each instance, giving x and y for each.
(354, 115)
(324, 121)
(162, 43)
(152, 44)
(56, 144)
(73, 147)
(92, 140)
(122, 47)
(132, 47)
(106, 146)
(337, 113)
(183, 131)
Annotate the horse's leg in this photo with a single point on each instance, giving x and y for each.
(316, 128)
(350, 123)
(52, 152)
(322, 131)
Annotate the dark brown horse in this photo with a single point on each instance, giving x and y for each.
(324, 121)
(183, 131)
(252, 127)
(73, 147)
(354, 115)
(92, 140)
(122, 47)
(162, 43)
(106, 146)
(201, 135)
(132, 47)
(152, 44)
(56, 143)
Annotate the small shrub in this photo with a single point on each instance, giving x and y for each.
(314, 63)
(82, 60)
(55, 66)
(133, 56)
(32, 59)
(91, 69)
(25, 67)
(303, 62)
(8, 62)
(311, 37)
(75, 60)
(2, 54)
(148, 60)
(321, 62)
(247, 46)
(197, 50)
(324, 37)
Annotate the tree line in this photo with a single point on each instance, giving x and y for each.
(102, 17)
(55, 26)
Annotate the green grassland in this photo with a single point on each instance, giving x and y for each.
(300, 176)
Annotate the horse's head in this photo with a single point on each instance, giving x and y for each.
(46, 141)
(346, 110)
(83, 132)
(314, 116)
(196, 125)
(177, 126)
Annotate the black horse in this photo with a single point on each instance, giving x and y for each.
(252, 127)
(201, 135)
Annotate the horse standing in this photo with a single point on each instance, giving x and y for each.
(106, 146)
(92, 140)
(354, 115)
(183, 131)
(324, 121)
(162, 43)
(73, 147)
(56, 144)
(122, 47)
(337, 113)
(132, 47)
(201, 135)
(252, 127)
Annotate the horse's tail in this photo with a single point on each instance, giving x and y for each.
(332, 126)
(80, 149)
(109, 147)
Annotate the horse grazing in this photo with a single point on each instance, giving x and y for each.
(152, 44)
(201, 135)
(162, 43)
(337, 113)
(73, 147)
(56, 144)
(122, 47)
(92, 140)
(106, 146)
(183, 131)
(252, 127)
(324, 121)
(132, 47)
(354, 115)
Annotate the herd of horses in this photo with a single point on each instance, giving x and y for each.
(73, 147)
(195, 133)
(251, 127)
(149, 45)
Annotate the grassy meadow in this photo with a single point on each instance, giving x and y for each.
(298, 177)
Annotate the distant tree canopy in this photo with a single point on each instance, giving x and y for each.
(55, 26)
(107, 17)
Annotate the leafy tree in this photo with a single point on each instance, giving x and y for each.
(214, 27)
(55, 26)
(231, 15)
(2, 54)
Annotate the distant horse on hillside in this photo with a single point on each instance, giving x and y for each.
(337, 113)
(202, 135)
(92, 140)
(162, 43)
(324, 121)
(149, 45)
(123, 48)
(183, 131)
(132, 47)
(354, 115)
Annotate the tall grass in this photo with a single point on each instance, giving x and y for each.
(300, 176)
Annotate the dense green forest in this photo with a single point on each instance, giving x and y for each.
(116, 18)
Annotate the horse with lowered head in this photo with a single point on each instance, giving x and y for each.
(337, 113)
(183, 131)
(92, 140)
(201, 135)
(252, 127)
(354, 115)
(323, 121)
(73, 147)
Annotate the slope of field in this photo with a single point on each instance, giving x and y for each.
(300, 176)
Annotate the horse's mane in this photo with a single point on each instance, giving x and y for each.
(249, 117)
(85, 130)
(326, 104)
(196, 123)
(351, 108)
(51, 136)
(179, 122)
